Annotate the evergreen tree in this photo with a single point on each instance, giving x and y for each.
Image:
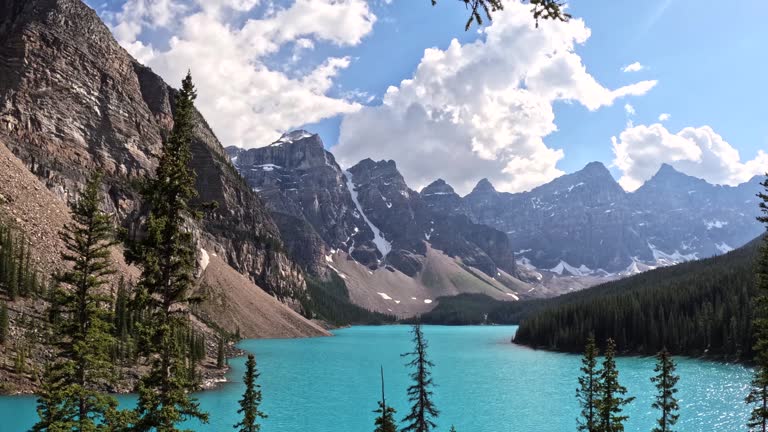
(166, 256)
(423, 410)
(758, 395)
(3, 323)
(249, 404)
(665, 381)
(82, 334)
(589, 388)
(385, 422)
(612, 393)
(220, 356)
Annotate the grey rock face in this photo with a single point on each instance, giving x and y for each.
(72, 100)
(306, 191)
(586, 222)
(368, 211)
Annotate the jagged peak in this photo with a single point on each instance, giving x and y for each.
(484, 185)
(438, 187)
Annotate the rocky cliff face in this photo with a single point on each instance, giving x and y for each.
(389, 234)
(72, 100)
(306, 191)
(585, 224)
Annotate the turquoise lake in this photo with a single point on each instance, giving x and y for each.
(485, 384)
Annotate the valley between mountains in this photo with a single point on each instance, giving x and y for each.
(291, 243)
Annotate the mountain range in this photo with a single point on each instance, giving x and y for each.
(72, 101)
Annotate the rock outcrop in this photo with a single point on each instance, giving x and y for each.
(72, 100)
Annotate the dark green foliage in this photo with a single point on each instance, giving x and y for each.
(166, 256)
(330, 301)
(4, 324)
(611, 400)
(83, 331)
(473, 309)
(249, 404)
(758, 395)
(666, 382)
(423, 411)
(220, 356)
(385, 421)
(18, 277)
(588, 392)
(542, 10)
(696, 308)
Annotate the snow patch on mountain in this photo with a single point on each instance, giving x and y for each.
(378, 239)
(292, 136)
(723, 247)
(665, 259)
(715, 224)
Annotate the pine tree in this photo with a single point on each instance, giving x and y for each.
(166, 256)
(249, 404)
(665, 381)
(4, 324)
(220, 356)
(589, 388)
(385, 422)
(423, 410)
(758, 394)
(612, 393)
(82, 334)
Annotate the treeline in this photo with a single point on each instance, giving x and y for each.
(476, 309)
(19, 277)
(329, 301)
(696, 308)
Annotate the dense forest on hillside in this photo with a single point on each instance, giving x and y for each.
(696, 308)
(329, 301)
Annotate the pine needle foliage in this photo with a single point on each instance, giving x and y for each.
(249, 404)
(479, 10)
(69, 399)
(612, 394)
(588, 392)
(166, 256)
(758, 394)
(666, 385)
(423, 410)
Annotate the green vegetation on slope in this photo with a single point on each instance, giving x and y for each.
(329, 301)
(696, 308)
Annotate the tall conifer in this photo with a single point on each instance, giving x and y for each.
(249, 404)
(167, 259)
(385, 422)
(588, 392)
(612, 393)
(423, 411)
(666, 382)
(82, 333)
(758, 394)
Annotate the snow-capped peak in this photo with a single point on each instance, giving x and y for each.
(292, 136)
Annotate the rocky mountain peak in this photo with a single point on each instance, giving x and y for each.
(297, 135)
(438, 187)
(484, 186)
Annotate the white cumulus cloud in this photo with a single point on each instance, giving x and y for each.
(664, 117)
(482, 109)
(700, 152)
(634, 67)
(246, 102)
(630, 110)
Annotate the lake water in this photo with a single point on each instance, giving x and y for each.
(485, 384)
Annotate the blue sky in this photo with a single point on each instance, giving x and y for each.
(706, 60)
